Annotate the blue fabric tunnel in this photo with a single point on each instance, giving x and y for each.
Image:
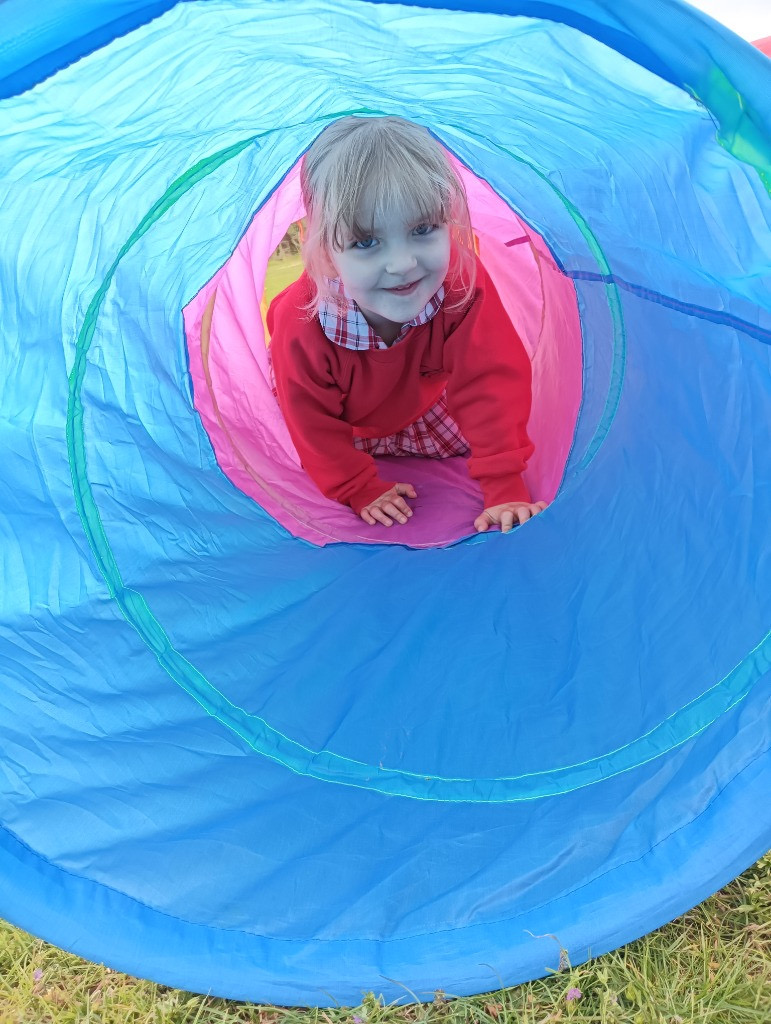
(239, 762)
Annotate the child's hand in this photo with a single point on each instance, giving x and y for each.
(390, 507)
(507, 514)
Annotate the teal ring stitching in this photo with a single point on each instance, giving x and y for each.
(323, 765)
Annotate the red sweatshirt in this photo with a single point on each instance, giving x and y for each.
(329, 394)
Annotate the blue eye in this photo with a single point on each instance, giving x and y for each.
(364, 243)
(424, 229)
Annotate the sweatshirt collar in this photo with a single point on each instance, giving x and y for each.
(344, 323)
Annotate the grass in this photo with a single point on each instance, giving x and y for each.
(711, 966)
(281, 272)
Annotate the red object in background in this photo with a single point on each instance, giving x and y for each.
(764, 45)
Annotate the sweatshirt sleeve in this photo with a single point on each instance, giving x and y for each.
(489, 394)
(312, 404)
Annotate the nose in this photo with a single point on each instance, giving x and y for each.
(401, 260)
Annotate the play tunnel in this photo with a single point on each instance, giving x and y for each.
(250, 747)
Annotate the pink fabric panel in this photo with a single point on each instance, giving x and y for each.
(541, 303)
(248, 433)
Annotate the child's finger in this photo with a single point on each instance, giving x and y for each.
(507, 521)
(394, 512)
(379, 515)
(373, 516)
(406, 489)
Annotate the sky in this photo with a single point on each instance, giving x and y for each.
(748, 18)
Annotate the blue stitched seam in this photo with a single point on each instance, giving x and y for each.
(690, 308)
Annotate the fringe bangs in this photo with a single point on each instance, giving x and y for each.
(358, 171)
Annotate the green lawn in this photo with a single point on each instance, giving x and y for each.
(281, 272)
(712, 966)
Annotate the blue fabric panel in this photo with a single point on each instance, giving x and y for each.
(39, 40)
(279, 795)
(670, 39)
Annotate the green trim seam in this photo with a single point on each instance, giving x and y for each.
(324, 765)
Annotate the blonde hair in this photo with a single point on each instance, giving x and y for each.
(380, 165)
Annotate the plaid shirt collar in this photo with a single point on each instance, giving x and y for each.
(347, 327)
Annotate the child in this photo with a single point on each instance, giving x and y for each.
(394, 340)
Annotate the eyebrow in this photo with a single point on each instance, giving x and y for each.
(376, 229)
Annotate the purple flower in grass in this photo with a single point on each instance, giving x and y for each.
(573, 994)
(38, 974)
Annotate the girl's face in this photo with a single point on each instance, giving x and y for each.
(392, 275)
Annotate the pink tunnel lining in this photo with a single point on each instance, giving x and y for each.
(249, 435)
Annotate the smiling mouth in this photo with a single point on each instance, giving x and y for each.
(405, 289)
